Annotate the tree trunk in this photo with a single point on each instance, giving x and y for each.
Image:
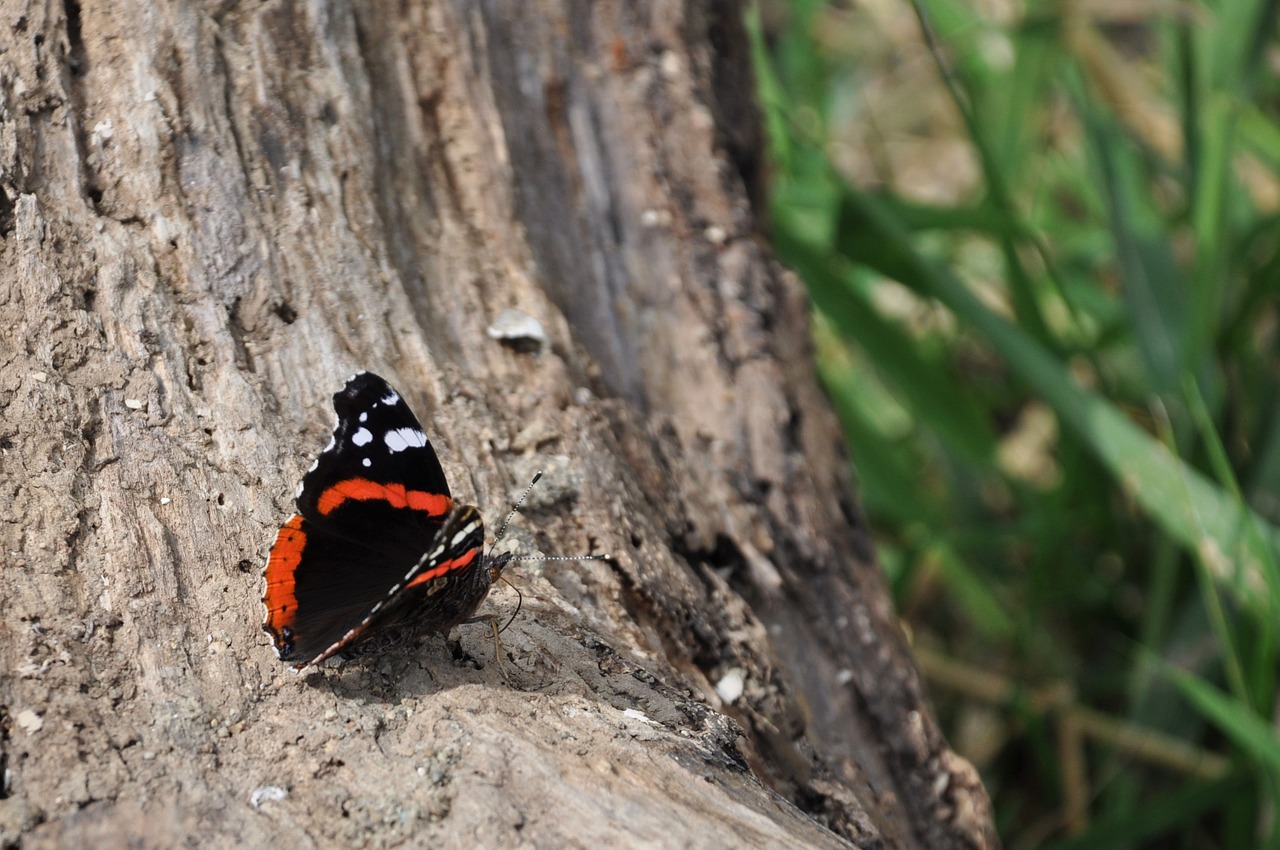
(211, 214)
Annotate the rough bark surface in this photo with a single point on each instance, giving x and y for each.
(210, 214)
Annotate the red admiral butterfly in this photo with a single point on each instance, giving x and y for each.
(378, 551)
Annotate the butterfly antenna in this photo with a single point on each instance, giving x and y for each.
(515, 509)
(507, 557)
(560, 558)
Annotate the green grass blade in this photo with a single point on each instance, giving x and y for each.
(934, 398)
(1254, 738)
(1151, 281)
(885, 468)
(1158, 817)
(1188, 507)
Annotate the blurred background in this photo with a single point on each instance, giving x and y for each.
(1043, 246)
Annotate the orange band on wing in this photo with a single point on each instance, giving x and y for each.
(447, 567)
(362, 489)
(282, 566)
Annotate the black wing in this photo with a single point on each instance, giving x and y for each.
(368, 509)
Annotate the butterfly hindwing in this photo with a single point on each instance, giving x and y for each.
(442, 590)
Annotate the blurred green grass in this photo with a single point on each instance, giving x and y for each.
(1043, 244)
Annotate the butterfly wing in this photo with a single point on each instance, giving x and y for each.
(368, 509)
(378, 453)
(441, 590)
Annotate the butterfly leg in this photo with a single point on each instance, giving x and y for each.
(496, 631)
(497, 646)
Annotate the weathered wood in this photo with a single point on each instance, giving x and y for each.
(210, 215)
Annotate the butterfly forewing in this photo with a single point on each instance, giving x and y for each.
(379, 452)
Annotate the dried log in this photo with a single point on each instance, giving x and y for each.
(210, 214)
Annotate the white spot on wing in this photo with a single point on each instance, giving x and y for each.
(364, 417)
(361, 437)
(367, 462)
(404, 438)
(391, 398)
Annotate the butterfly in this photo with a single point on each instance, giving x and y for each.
(378, 551)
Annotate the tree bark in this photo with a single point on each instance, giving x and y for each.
(211, 214)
